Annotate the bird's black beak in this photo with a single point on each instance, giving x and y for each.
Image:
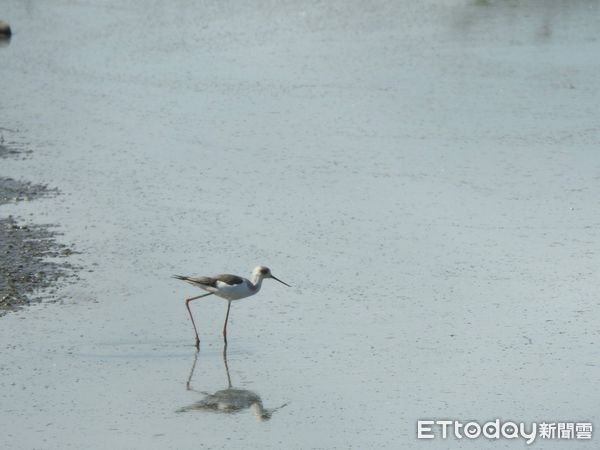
(282, 282)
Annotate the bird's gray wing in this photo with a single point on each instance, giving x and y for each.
(198, 281)
(231, 280)
(227, 278)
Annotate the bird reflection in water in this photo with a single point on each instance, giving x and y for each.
(230, 400)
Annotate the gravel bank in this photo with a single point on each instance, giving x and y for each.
(29, 266)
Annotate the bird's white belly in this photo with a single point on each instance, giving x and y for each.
(235, 292)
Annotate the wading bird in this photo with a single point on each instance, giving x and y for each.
(229, 287)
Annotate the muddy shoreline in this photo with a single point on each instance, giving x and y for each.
(32, 260)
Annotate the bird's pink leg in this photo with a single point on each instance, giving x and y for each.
(225, 324)
(187, 305)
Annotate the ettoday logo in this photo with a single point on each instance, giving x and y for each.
(496, 429)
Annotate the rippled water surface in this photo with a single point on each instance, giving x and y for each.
(425, 175)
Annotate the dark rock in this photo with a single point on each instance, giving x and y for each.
(5, 30)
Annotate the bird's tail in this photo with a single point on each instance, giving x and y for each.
(180, 277)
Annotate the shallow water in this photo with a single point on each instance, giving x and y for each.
(425, 174)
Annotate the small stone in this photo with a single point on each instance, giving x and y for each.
(5, 30)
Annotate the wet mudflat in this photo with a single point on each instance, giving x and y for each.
(425, 174)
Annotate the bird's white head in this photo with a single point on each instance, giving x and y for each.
(264, 272)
